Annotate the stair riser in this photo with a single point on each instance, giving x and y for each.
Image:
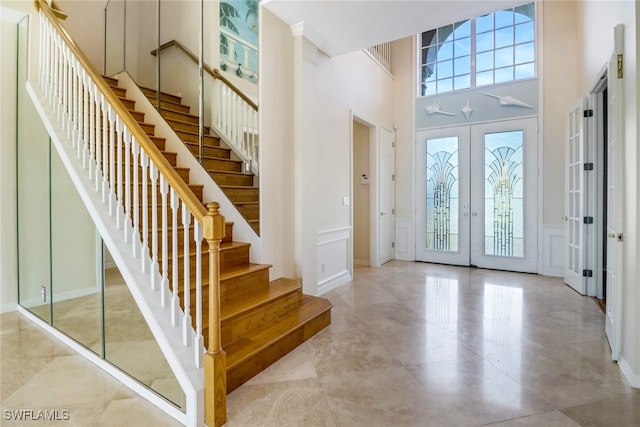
(129, 104)
(244, 372)
(235, 328)
(120, 92)
(232, 179)
(193, 137)
(183, 117)
(248, 194)
(209, 151)
(222, 165)
(250, 212)
(187, 127)
(163, 96)
(244, 285)
(234, 257)
(170, 105)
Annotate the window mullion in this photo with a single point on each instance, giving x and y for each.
(473, 54)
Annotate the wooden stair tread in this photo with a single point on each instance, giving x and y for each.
(240, 306)
(252, 344)
(239, 187)
(241, 271)
(179, 113)
(225, 246)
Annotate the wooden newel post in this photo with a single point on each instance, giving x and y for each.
(215, 360)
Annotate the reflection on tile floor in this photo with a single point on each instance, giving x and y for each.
(410, 344)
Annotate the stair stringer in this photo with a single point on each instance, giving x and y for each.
(242, 231)
(169, 338)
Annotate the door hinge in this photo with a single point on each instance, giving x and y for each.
(393, 211)
(620, 66)
(393, 244)
(588, 166)
(393, 177)
(588, 220)
(587, 113)
(393, 144)
(587, 273)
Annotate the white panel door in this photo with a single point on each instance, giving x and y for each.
(615, 196)
(442, 196)
(476, 195)
(574, 199)
(386, 187)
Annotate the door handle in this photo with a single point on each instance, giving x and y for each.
(474, 214)
(612, 235)
(381, 213)
(466, 214)
(565, 218)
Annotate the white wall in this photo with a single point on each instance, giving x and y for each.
(327, 92)
(596, 21)
(8, 267)
(276, 148)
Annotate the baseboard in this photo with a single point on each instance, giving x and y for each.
(61, 296)
(627, 371)
(333, 282)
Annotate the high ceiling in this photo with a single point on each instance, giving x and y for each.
(342, 26)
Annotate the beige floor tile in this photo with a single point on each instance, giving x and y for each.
(548, 419)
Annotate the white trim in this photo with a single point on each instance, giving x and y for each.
(64, 296)
(629, 374)
(119, 375)
(553, 250)
(8, 308)
(339, 269)
(405, 239)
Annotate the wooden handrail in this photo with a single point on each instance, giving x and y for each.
(164, 167)
(213, 72)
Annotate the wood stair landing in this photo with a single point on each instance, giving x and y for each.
(261, 320)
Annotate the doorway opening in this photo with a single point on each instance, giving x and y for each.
(361, 193)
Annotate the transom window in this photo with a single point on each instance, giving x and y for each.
(493, 48)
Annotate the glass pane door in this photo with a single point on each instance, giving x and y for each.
(476, 195)
(504, 195)
(443, 196)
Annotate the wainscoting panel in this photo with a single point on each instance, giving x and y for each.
(335, 266)
(553, 251)
(405, 240)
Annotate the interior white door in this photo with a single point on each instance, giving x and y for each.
(615, 195)
(386, 182)
(442, 195)
(504, 195)
(574, 199)
(476, 193)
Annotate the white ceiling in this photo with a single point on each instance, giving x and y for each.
(342, 26)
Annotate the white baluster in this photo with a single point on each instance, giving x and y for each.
(92, 128)
(155, 268)
(187, 337)
(85, 119)
(164, 290)
(127, 185)
(118, 179)
(144, 164)
(174, 253)
(199, 340)
(101, 145)
(112, 162)
(135, 208)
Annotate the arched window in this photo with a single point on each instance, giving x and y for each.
(493, 48)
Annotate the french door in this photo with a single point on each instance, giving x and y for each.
(476, 194)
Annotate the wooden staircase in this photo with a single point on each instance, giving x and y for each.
(261, 320)
(241, 188)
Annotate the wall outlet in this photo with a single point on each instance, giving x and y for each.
(43, 293)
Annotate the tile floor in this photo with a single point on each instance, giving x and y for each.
(410, 344)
